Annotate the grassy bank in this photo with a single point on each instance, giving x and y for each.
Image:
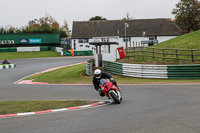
(13, 107)
(23, 55)
(185, 42)
(75, 74)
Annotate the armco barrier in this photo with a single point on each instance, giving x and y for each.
(89, 65)
(153, 71)
(78, 53)
(144, 71)
(184, 71)
(113, 67)
(83, 53)
(7, 66)
(67, 53)
(44, 48)
(16, 49)
(12, 49)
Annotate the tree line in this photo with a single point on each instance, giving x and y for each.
(45, 24)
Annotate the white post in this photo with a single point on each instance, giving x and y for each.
(125, 35)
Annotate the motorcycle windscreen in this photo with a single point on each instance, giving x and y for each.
(102, 82)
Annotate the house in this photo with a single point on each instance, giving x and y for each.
(128, 33)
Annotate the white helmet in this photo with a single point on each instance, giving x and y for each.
(97, 73)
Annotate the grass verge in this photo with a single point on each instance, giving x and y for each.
(72, 74)
(23, 55)
(75, 74)
(13, 107)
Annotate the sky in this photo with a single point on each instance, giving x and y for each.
(18, 13)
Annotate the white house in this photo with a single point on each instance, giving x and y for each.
(137, 32)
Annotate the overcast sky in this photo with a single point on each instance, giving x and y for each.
(18, 13)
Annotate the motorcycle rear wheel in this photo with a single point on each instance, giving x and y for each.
(115, 97)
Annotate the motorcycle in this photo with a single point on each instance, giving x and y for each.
(110, 90)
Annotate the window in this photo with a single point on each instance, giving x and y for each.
(151, 38)
(105, 39)
(85, 40)
(82, 40)
(87, 46)
(125, 39)
(74, 44)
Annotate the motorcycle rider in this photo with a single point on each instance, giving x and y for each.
(98, 75)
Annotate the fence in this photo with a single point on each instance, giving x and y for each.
(153, 71)
(192, 55)
(112, 67)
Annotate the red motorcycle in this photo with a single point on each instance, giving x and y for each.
(110, 90)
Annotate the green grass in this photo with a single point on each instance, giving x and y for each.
(13, 107)
(185, 42)
(75, 74)
(72, 74)
(23, 55)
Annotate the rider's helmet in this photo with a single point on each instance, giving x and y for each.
(97, 73)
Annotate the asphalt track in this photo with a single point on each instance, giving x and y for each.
(145, 108)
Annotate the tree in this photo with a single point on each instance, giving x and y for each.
(187, 15)
(97, 18)
(9, 30)
(2, 30)
(46, 24)
(66, 28)
(127, 16)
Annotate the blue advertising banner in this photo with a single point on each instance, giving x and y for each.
(63, 42)
(23, 41)
(35, 40)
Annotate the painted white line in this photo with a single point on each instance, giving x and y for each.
(85, 106)
(101, 102)
(58, 110)
(25, 77)
(23, 114)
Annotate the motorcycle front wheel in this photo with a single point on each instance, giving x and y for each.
(115, 97)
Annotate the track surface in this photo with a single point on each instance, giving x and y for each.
(145, 108)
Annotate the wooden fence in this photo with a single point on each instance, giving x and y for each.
(192, 55)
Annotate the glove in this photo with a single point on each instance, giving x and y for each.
(111, 79)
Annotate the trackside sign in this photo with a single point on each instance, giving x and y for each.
(35, 40)
(23, 41)
(7, 42)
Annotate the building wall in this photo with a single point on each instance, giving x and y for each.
(81, 46)
(165, 38)
(132, 42)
